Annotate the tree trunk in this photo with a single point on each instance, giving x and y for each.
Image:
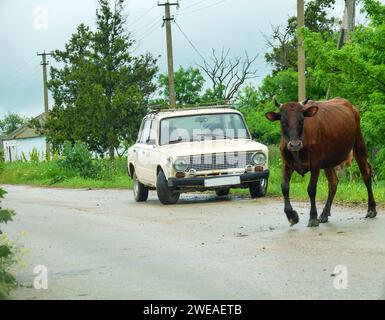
(111, 151)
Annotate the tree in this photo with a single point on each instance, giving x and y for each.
(11, 122)
(283, 53)
(227, 74)
(101, 91)
(356, 72)
(188, 86)
(283, 41)
(253, 107)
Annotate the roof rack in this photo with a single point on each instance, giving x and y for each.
(157, 109)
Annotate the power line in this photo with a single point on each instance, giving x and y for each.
(195, 4)
(190, 42)
(142, 16)
(147, 28)
(149, 32)
(18, 80)
(206, 7)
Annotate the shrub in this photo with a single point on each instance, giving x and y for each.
(78, 158)
(7, 280)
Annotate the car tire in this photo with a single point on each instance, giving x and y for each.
(165, 194)
(222, 192)
(139, 189)
(258, 188)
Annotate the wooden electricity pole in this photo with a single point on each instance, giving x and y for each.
(170, 60)
(301, 52)
(44, 63)
(348, 22)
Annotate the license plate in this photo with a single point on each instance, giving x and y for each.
(222, 181)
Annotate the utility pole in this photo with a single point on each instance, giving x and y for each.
(44, 63)
(170, 60)
(301, 52)
(348, 22)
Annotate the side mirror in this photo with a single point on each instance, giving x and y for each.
(254, 135)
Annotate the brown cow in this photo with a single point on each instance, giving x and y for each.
(315, 136)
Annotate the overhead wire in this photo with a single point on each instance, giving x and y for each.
(190, 42)
(202, 8)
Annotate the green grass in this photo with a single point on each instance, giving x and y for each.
(50, 174)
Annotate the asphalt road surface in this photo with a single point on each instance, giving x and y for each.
(100, 244)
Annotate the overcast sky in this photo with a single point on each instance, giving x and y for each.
(29, 26)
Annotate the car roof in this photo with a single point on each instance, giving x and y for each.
(168, 113)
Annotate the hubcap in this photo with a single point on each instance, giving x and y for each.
(263, 184)
(136, 186)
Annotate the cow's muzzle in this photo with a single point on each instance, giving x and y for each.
(294, 145)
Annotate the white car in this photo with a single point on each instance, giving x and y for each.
(199, 149)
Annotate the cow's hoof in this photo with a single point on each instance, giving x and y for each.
(371, 214)
(323, 218)
(313, 223)
(293, 218)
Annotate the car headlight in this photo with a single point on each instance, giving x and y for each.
(258, 159)
(180, 164)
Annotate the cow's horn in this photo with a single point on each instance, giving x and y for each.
(304, 102)
(277, 104)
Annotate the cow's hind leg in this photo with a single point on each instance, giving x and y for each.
(291, 215)
(360, 154)
(312, 191)
(332, 184)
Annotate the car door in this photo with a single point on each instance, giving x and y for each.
(148, 153)
(140, 151)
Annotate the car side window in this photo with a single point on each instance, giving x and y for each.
(153, 133)
(145, 132)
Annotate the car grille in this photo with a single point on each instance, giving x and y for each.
(219, 161)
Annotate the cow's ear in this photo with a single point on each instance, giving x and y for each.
(311, 111)
(272, 116)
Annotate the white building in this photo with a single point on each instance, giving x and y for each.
(22, 142)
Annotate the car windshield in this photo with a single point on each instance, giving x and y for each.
(202, 127)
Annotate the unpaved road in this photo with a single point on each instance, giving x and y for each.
(100, 244)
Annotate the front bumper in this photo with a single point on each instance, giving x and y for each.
(200, 181)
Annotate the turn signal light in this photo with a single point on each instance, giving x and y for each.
(180, 175)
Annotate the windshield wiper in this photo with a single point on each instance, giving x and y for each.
(175, 141)
(214, 135)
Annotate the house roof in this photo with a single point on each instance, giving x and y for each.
(25, 131)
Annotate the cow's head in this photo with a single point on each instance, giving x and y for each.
(292, 116)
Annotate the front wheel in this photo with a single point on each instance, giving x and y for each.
(258, 188)
(140, 190)
(165, 194)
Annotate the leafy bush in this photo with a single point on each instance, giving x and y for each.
(7, 281)
(78, 158)
(253, 108)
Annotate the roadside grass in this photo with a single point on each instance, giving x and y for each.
(52, 175)
(350, 190)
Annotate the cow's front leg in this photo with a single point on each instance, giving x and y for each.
(312, 191)
(291, 215)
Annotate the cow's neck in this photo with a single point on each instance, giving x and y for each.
(297, 163)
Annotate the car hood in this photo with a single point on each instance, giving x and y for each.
(213, 146)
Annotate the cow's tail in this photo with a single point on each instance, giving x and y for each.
(360, 150)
